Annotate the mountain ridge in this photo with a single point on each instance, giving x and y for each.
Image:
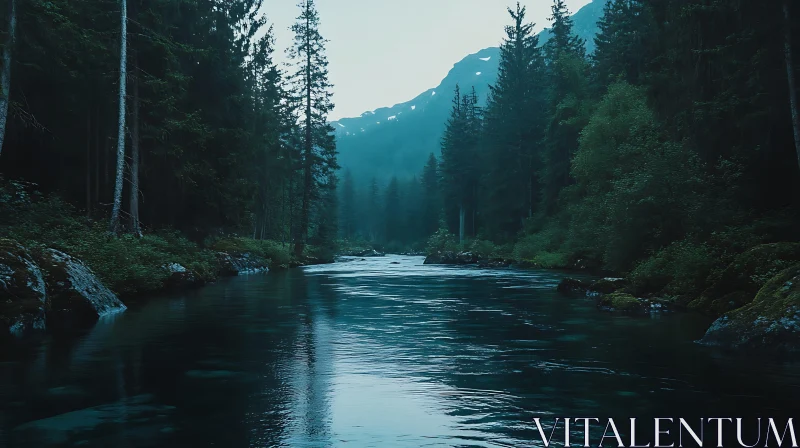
(396, 140)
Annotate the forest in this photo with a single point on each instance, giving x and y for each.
(164, 120)
(665, 153)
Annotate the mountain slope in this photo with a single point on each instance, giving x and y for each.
(396, 141)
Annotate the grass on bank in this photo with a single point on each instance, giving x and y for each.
(128, 265)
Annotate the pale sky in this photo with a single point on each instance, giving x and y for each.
(384, 52)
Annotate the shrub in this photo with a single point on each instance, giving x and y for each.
(484, 248)
(681, 268)
(547, 240)
(441, 241)
(278, 253)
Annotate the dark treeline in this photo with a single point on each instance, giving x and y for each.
(215, 136)
(677, 139)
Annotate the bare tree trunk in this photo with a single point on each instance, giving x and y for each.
(461, 219)
(97, 154)
(123, 73)
(5, 77)
(89, 162)
(790, 74)
(134, 199)
(299, 246)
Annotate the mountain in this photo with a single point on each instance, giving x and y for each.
(396, 141)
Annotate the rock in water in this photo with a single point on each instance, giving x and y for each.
(22, 290)
(572, 285)
(447, 257)
(771, 321)
(181, 278)
(74, 294)
(244, 263)
(608, 285)
(622, 302)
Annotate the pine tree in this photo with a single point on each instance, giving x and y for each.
(373, 204)
(568, 105)
(460, 169)
(563, 41)
(393, 214)
(514, 121)
(123, 74)
(431, 206)
(621, 49)
(348, 209)
(314, 92)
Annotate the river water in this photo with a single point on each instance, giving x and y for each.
(381, 352)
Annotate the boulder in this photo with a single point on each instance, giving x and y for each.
(447, 257)
(23, 295)
(771, 321)
(74, 294)
(625, 303)
(468, 258)
(368, 253)
(181, 278)
(607, 285)
(243, 263)
(440, 257)
(739, 283)
(571, 285)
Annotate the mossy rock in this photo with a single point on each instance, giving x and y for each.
(74, 294)
(22, 289)
(572, 285)
(623, 302)
(741, 280)
(608, 285)
(771, 321)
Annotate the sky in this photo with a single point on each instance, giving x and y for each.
(384, 52)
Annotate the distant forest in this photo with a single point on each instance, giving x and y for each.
(676, 142)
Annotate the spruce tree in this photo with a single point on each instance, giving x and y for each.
(567, 105)
(313, 91)
(348, 208)
(514, 119)
(432, 199)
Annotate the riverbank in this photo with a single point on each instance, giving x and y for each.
(753, 295)
(58, 267)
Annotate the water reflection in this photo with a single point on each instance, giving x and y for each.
(368, 353)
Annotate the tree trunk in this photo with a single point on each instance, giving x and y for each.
(299, 246)
(123, 73)
(97, 154)
(134, 199)
(5, 77)
(89, 162)
(790, 75)
(461, 219)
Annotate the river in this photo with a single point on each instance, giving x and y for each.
(381, 352)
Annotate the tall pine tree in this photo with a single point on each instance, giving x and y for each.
(313, 93)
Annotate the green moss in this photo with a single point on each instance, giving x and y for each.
(621, 302)
(739, 282)
(771, 321)
(278, 253)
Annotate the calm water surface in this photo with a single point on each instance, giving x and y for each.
(382, 352)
